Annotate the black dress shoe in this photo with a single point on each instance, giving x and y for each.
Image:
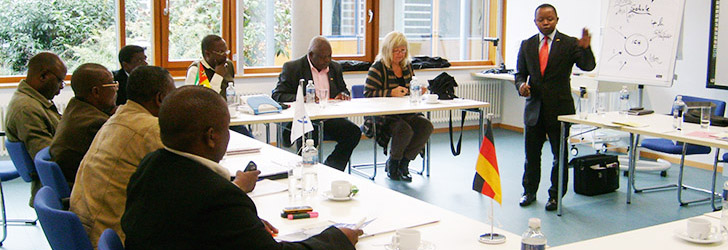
(404, 170)
(551, 205)
(527, 199)
(392, 169)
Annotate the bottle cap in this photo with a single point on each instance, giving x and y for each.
(534, 223)
(309, 142)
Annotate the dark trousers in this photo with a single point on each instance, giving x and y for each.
(410, 133)
(535, 137)
(344, 132)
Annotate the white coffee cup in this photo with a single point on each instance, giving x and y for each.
(406, 239)
(431, 98)
(698, 228)
(340, 189)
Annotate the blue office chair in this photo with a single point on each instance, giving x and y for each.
(683, 149)
(110, 240)
(7, 172)
(22, 160)
(357, 91)
(50, 173)
(63, 229)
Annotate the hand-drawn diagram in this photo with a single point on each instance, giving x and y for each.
(640, 38)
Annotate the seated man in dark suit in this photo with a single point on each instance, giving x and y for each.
(130, 57)
(326, 74)
(94, 100)
(181, 198)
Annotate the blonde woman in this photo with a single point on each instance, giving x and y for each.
(390, 76)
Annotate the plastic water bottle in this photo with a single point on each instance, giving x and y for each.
(415, 91)
(310, 177)
(624, 100)
(310, 92)
(678, 110)
(724, 214)
(533, 239)
(583, 102)
(230, 95)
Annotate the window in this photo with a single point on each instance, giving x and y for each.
(258, 32)
(78, 31)
(137, 28)
(265, 33)
(347, 24)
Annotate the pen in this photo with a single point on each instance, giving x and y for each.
(360, 223)
(303, 215)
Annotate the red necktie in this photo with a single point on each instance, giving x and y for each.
(543, 54)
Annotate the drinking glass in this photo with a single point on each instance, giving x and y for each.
(323, 96)
(705, 117)
(602, 103)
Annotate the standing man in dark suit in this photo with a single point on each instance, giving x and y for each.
(326, 74)
(130, 57)
(181, 198)
(544, 69)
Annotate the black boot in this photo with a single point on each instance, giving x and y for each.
(392, 169)
(404, 170)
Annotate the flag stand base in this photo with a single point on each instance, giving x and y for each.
(492, 238)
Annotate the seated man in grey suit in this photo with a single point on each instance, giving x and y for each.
(181, 198)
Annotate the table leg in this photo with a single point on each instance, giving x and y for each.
(633, 143)
(427, 151)
(279, 132)
(321, 141)
(712, 186)
(562, 149)
(267, 133)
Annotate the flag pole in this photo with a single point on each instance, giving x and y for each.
(492, 238)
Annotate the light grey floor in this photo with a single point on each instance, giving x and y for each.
(449, 186)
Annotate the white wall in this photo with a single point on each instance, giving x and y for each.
(573, 15)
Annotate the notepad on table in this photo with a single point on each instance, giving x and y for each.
(630, 124)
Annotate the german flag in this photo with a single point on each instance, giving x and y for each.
(487, 176)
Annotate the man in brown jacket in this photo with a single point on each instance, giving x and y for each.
(32, 116)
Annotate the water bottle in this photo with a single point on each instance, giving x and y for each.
(623, 100)
(415, 91)
(310, 92)
(310, 177)
(230, 94)
(533, 239)
(583, 102)
(724, 214)
(678, 110)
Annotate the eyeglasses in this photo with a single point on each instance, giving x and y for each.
(114, 84)
(220, 53)
(61, 80)
(399, 51)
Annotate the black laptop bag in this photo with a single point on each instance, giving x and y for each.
(595, 174)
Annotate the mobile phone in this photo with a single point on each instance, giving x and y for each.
(251, 167)
(297, 209)
(636, 109)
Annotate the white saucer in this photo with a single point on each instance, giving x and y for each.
(328, 195)
(435, 102)
(716, 236)
(424, 245)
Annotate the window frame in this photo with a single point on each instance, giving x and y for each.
(160, 30)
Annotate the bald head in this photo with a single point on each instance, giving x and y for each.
(87, 76)
(319, 52)
(195, 119)
(46, 72)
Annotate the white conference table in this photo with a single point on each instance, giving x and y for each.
(661, 236)
(655, 125)
(363, 107)
(451, 231)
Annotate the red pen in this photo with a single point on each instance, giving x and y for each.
(303, 215)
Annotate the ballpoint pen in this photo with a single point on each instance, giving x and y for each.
(360, 223)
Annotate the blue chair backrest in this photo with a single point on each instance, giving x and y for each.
(719, 105)
(357, 91)
(21, 159)
(62, 228)
(110, 240)
(50, 173)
